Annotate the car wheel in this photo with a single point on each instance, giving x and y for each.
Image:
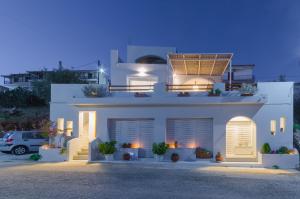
(19, 150)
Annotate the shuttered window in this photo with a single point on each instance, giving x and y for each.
(138, 132)
(190, 133)
(240, 139)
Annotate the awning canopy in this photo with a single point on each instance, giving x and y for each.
(199, 64)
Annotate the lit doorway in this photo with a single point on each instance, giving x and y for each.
(241, 139)
(87, 127)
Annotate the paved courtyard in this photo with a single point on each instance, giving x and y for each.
(125, 180)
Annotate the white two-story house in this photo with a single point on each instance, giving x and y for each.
(160, 95)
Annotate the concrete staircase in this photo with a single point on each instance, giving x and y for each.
(82, 155)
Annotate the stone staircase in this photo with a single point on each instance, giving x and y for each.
(82, 155)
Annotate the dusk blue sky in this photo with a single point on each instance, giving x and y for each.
(38, 33)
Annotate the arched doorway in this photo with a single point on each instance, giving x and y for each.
(241, 139)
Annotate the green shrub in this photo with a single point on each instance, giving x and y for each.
(107, 147)
(218, 91)
(283, 150)
(35, 157)
(63, 151)
(265, 149)
(160, 148)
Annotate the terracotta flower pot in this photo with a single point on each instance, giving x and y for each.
(174, 157)
(219, 157)
(126, 156)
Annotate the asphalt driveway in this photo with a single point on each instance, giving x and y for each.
(104, 180)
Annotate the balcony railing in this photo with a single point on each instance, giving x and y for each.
(131, 88)
(174, 87)
(189, 87)
(235, 86)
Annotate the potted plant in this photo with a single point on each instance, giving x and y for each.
(95, 90)
(159, 149)
(108, 149)
(247, 89)
(175, 144)
(214, 93)
(203, 153)
(175, 157)
(265, 149)
(126, 145)
(219, 157)
(126, 156)
(137, 94)
(183, 94)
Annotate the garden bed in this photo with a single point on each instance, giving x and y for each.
(283, 161)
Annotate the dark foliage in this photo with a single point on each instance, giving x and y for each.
(19, 97)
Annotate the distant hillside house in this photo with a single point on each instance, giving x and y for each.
(24, 80)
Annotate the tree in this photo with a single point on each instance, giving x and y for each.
(282, 78)
(19, 97)
(42, 88)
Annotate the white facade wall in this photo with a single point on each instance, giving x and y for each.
(279, 103)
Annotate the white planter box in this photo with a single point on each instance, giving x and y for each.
(284, 161)
(158, 158)
(134, 152)
(109, 157)
(52, 155)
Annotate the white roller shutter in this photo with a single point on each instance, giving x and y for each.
(146, 138)
(135, 131)
(190, 133)
(239, 139)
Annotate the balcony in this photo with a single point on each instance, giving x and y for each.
(197, 88)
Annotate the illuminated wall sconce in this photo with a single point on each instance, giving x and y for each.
(60, 125)
(142, 72)
(282, 124)
(69, 128)
(273, 127)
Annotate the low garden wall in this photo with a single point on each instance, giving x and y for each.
(52, 155)
(134, 153)
(185, 154)
(283, 161)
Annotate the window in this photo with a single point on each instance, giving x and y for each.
(39, 135)
(143, 82)
(282, 124)
(28, 135)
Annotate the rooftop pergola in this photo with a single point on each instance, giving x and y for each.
(200, 64)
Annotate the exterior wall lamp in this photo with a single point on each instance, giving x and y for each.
(273, 127)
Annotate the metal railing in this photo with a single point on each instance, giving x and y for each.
(235, 86)
(174, 87)
(131, 88)
(188, 87)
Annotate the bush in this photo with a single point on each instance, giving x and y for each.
(160, 148)
(283, 150)
(93, 90)
(265, 149)
(35, 157)
(107, 147)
